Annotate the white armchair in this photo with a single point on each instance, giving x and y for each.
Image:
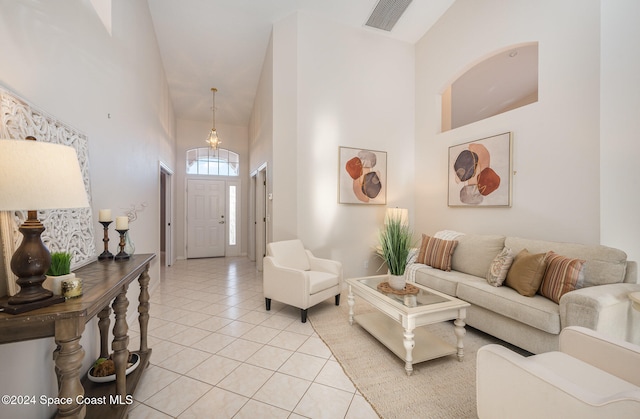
(292, 275)
(592, 376)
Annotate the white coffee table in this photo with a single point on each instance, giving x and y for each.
(398, 318)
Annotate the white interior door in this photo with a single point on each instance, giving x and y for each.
(166, 215)
(205, 218)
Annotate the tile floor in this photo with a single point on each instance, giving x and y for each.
(217, 353)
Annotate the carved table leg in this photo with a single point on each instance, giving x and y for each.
(351, 301)
(120, 341)
(103, 326)
(409, 344)
(460, 332)
(143, 308)
(68, 358)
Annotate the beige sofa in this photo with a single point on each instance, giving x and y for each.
(534, 323)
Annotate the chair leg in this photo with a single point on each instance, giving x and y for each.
(338, 299)
(267, 303)
(303, 315)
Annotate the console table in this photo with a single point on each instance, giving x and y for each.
(105, 285)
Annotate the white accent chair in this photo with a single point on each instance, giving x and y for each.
(292, 275)
(591, 376)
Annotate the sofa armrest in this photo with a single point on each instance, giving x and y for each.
(604, 308)
(288, 285)
(509, 385)
(615, 356)
(325, 265)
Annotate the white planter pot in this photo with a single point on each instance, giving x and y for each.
(397, 282)
(54, 283)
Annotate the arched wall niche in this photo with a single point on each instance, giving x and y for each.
(506, 80)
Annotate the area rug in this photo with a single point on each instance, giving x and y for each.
(440, 388)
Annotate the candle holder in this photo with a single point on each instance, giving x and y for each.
(106, 254)
(122, 255)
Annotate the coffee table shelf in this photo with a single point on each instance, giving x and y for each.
(391, 334)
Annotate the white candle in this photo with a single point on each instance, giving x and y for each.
(122, 223)
(105, 215)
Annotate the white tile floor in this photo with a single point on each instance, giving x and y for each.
(217, 353)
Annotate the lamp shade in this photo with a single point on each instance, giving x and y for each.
(35, 175)
(401, 214)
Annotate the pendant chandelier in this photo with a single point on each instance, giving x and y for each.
(213, 139)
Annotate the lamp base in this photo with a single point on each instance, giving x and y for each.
(29, 263)
(6, 307)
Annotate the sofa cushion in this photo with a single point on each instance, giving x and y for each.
(562, 275)
(475, 252)
(446, 282)
(499, 267)
(536, 311)
(604, 265)
(436, 252)
(320, 281)
(526, 272)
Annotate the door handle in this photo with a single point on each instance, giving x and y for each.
(220, 222)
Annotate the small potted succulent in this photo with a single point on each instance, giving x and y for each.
(60, 270)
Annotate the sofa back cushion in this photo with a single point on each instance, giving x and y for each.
(603, 265)
(475, 252)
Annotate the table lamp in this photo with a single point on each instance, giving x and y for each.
(35, 175)
(401, 214)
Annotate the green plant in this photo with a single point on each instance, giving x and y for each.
(395, 242)
(60, 264)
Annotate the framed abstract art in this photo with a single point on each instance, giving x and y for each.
(480, 172)
(362, 176)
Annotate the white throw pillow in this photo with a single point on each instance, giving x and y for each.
(499, 267)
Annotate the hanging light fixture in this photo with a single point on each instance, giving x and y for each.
(213, 139)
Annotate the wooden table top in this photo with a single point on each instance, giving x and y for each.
(102, 281)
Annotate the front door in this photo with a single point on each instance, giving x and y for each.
(205, 218)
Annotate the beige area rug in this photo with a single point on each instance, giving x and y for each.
(440, 388)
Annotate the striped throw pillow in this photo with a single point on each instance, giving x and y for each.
(436, 252)
(563, 274)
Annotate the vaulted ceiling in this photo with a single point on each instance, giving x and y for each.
(222, 44)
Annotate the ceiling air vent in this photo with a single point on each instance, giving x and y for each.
(386, 14)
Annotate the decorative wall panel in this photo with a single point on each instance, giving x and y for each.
(66, 230)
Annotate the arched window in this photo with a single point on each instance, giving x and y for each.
(206, 161)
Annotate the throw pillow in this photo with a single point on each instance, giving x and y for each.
(526, 272)
(436, 252)
(499, 267)
(563, 274)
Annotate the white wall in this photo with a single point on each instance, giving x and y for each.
(620, 125)
(261, 121)
(283, 214)
(261, 148)
(335, 86)
(192, 134)
(59, 57)
(556, 141)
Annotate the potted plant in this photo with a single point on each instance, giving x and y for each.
(60, 270)
(395, 243)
